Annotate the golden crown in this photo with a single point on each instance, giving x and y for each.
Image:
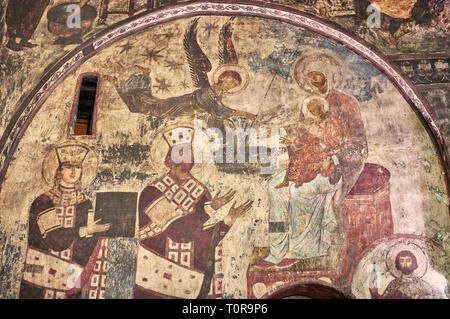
(179, 135)
(71, 154)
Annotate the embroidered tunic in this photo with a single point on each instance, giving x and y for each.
(177, 254)
(54, 242)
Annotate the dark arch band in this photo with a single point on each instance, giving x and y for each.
(28, 108)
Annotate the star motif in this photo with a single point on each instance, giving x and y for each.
(169, 35)
(173, 65)
(162, 85)
(125, 47)
(184, 84)
(152, 55)
(209, 27)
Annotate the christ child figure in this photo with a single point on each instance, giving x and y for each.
(311, 142)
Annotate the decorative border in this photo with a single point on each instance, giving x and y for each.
(32, 103)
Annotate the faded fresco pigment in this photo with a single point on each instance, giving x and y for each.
(245, 149)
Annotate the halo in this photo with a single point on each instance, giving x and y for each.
(236, 68)
(325, 62)
(305, 110)
(159, 149)
(88, 167)
(422, 261)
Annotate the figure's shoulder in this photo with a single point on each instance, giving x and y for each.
(151, 191)
(338, 98)
(42, 202)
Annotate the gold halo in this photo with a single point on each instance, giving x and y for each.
(325, 62)
(236, 68)
(88, 167)
(305, 110)
(422, 261)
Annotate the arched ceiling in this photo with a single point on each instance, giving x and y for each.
(31, 104)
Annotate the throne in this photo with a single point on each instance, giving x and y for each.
(367, 216)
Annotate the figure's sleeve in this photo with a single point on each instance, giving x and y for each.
(210, 102)
(45, 226)
(351, 113)
(216, 218)
(183, 233)
(147, 197)
(305, 139)
(136, 93)
(391, 292)
(84, 246)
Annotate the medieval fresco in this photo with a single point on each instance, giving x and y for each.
(228, 157)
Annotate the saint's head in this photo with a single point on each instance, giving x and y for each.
(69, 175)
(227, 81)
(406, 262)
(317, 108)
(179, 158)
(69, 171)
(318, 80)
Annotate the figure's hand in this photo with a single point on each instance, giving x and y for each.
(327, 167)
(250, 116)
(95, 227)
(218, 202)
(284, 140)
(236, 212)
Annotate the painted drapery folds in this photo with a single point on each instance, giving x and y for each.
(238, 153)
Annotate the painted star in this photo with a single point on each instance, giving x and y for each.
(169, 35)
(152, 55)
(162, 85)
(125, 47)
(184, 84)
(209, 27)
(173, 65)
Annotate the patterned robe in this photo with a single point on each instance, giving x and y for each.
(353, 151)
(323, 139)
(55, 247)
(178, 256)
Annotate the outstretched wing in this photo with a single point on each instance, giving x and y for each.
(227, 53)
(199, 63)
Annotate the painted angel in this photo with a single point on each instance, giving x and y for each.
(229, 78)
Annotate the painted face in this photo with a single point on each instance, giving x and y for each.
(229, 83)
(315, 108)
(405, 262)
(180, 164)
(70, 174)
(318, 80)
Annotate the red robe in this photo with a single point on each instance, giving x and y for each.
(305, 162)
(185, 229)
(353, 150)
(62, 241)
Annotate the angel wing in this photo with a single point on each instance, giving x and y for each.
(199, 63)
(227, 53)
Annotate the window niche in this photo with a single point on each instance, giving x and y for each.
(84, 111)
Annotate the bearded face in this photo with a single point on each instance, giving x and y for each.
(406, 262)
(181, 159)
